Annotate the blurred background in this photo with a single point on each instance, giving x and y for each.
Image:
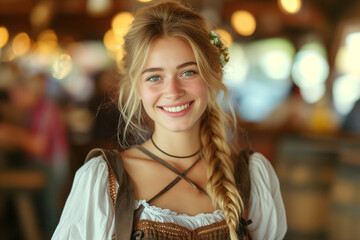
(293, 75)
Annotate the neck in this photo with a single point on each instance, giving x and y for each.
(177, 143)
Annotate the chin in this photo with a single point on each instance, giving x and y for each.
(180, 127)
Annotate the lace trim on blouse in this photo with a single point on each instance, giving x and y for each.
(157, 214)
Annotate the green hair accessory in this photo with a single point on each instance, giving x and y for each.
(215, 40)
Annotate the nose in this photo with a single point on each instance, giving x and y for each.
(173, 88)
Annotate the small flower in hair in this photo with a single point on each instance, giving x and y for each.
(215, 40)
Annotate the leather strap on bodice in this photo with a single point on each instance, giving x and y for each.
(125, 198)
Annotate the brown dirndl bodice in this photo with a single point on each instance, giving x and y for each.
(150, 230)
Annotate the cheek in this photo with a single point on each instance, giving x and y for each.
(146, 95)
(201, 90)
(148, 98)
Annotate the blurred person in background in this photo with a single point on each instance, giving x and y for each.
(35, 128)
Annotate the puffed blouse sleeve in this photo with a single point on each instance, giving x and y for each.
(88, 211)
(267, 210)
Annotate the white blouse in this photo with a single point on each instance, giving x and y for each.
(89, 213)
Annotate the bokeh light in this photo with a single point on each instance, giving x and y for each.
(21, 44)
(89, 56)
(275, 58)
(114, 38)
(290, 6)
(276, 64)
(255, 90)
(311, 70)
(313, 93)
(41, 14)
(243, 22)
(121, 22)
(47, 41)
(4, 36)
(346, 91)
(112, 41)
(347, 59)
(352, 42)
(79, 86)
(62, 66)
(98, 7)
(237, 68)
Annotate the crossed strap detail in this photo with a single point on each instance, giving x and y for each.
(180, 176)
(168, 166)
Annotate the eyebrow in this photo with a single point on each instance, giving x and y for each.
(162, 69)
(186, 64)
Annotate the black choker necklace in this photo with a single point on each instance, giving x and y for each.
(173, 155)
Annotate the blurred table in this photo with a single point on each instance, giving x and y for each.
(21, 185)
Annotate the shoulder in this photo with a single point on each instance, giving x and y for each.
(89, 197)
(93, 165)
(260, 166)
(92, 173)
(263, 178)
(267, 210)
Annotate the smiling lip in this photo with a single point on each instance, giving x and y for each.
(177, 109)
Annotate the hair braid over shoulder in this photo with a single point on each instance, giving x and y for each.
(221, 181)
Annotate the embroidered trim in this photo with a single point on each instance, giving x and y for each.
(112, 185)
(177, 230)
(168, 228)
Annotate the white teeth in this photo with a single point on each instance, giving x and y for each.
(176, 109)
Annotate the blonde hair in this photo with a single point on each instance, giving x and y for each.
(173, 19)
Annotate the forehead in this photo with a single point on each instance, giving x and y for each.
(167, 50)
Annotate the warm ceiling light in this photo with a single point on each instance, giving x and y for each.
(4, 36)
(47, 41)
(225, 35)
(144, 1)
(121, 22)
(41, 15)
(243, 22)
(21, 44)
(47, 35)
(290, 6)
(112, 41)
(98, 7)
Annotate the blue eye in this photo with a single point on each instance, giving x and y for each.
(154, 78)
(188, 73)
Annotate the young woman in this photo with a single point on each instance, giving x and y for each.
(171, 85)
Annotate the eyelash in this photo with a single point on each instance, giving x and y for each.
(193, 72)
(155, 76)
